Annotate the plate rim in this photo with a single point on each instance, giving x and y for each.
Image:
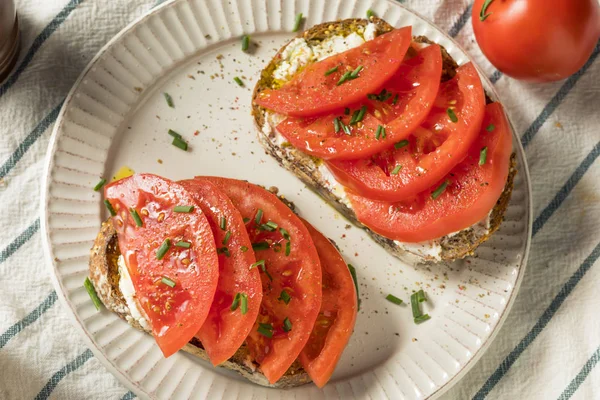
(95, 348)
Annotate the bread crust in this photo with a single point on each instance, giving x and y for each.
(305, 167)
(104, 274)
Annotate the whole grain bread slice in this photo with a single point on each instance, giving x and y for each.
(104, 274)
(306, 167)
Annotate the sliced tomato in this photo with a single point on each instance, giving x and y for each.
(175, 288)
(432, 150)
(337, 316)
(315, 91)
(461, 199)
(294, 268)
(400, 107)
(239, 287)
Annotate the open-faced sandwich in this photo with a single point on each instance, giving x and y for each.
(392, 132)
(224, 270)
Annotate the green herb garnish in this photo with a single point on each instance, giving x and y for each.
(162, 250)
(89, 287)
(223, 223)
(174, 134)
(169, 100)
(180, 143)
(245, 42)
(136, 217)
(393, 299)
(401, 144)
(331, 71)
(224, 250)
(99, 185)
(483, 156)
(396, 169)
(260, 246)
(167, 281)
(265, 330)
(185, 245)
(110, 208)
(440, 189)
(183, 209)
(452, 115)
(238, 81)
(227, 237)
(336, 124)
(258, 217)
(285, 297)
(297, 22)
(287, 324)
(490, 127)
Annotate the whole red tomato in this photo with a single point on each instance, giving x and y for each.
(537, 40)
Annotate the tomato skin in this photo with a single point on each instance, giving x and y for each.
(175, 313)
(538, 40)
(224, 331)
(299, 273)
(373, 178)
(416, 84)
(337, 316)
(472, 192)
(311, 92)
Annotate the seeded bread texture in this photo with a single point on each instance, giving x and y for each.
(305, 167)
(104, 274)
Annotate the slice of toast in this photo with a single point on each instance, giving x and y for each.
(314, 174)
(104, 274)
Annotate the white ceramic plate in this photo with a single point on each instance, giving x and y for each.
(116, 115)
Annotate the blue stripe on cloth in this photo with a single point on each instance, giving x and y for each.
(38, 42)
(461, 21)
(30, 140)
(128, 396)
(566, 189)
(19, 241)
(60, 374)
(28, 320)
(557, 99)
(580, 378)
(495, 77)
(564, 292)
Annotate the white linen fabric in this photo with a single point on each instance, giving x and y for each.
(549, 345)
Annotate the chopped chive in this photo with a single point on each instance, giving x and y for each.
(169, 100)
(401, 144)
(235, 303)
(223, 223)
(227, 237)
(422, 318)
(395, 100)
(244, 249)
(272, 225)
(490, 127)
(265, 330)
(297, 22)
(245, 42)
(344, 78)
(264, 269)
(284, 233)
(179, 143)
(244, 305)
(421, 296)
(167, 281)
(353, 273)
(162, 250)
(285, 297)
(370, 13)
(483, 156)
(336, 124)
(440, 189)
(288, 248)
(110, 208)
(414, 304)
(379, 132)
(354, 117)
(396, 169)
(183, 209)
(346, 129)
(185, 245)
(372, 96)
(356, 71)
(331, 71)
(452, 115)
(99, 185)
(224, 250)
(259, 263)
(246, 220)
(260, 246)
(361, 114)
(259, 215)
(136, 217)
(393, 299)
(89, 287)
(174, 134)
(347, 111)
(287, 324)
(238, 81)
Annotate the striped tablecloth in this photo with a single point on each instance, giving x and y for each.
(548, 347)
